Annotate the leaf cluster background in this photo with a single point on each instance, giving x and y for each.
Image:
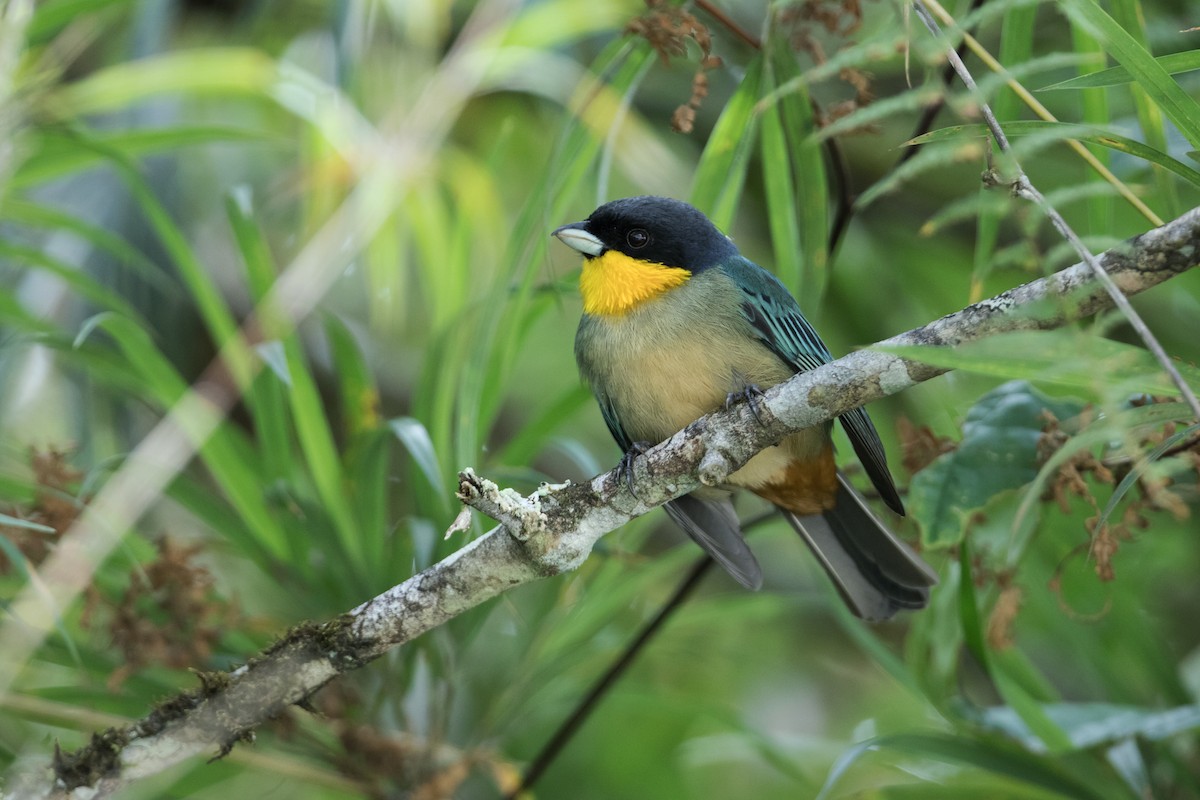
(400, 165)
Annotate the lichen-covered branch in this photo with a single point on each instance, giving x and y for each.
(554, 529)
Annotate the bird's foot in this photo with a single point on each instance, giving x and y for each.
(625, 467)
(750, 394)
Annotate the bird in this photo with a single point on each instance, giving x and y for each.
(676, 324)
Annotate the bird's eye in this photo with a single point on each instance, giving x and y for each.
(637, 238)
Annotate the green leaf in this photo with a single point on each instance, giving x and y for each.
(1083, 133)
(209, 70)
(265, 396)
(415, 438)
(53, 15)
(998, 452)
(1092, 724)
(1173, 64)
(274, 356)
(81, 282)
(1103, 431)
(1140, 468)
(809, 178)
(126, 255)
(319, 446)
(989, 756)
(224, 454)
(1126, 759)
(1021, 701)
(1105, 368)
(533, 433)
(17, 522)
(1179, 107)
(782, 208)
(721, 172)
(359, 396)
(59, 154)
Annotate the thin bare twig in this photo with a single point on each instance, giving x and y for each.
(925, 123)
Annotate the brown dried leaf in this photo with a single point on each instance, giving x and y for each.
(920, 447)
(1104, 547)
(1003, 616)
(54, 505)
(683, 120)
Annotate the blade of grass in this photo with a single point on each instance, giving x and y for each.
(717, 185)
(1128, 15)
(59, 155)
(533, 434)
(1026, 706)
(1172, 64)
(1026, 97)
(1140, 468)
(211, 70)
(53, 15)
(266, 395)
(1104, 367)
(1095, 112)
(780, 192)
(503, 325)
(80, 282)
(810, 177)
(321, 456)
(127, 255)
(1016, 47)
(217, 317)
(1068, 131)
(1162, 89)
(993, 757)
(228, 460)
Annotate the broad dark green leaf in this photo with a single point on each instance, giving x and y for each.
(998, 452)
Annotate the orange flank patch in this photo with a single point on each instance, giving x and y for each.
(613, 284)
(806, 487)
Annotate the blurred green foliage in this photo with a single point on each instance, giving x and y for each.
(346, 204)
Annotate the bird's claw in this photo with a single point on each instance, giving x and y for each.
(752, 395)
(625, 467)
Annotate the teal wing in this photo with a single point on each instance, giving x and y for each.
(612, 421)
(776, 318)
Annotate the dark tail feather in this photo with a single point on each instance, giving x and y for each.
(875, 573)
(713, 525)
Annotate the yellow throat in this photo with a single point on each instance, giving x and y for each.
(613, 284)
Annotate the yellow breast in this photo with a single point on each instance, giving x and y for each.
(613, 284)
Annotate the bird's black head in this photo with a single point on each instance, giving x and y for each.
(655, 229)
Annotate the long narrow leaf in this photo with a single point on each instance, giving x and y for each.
(717, 186)
(1181, 108)
(1172, 64)
(1083, 133)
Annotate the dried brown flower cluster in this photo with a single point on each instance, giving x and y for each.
(169, 613)
(668, 28)
(1153, 494)
(386, 764)
(54, 505)
(837, 20)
